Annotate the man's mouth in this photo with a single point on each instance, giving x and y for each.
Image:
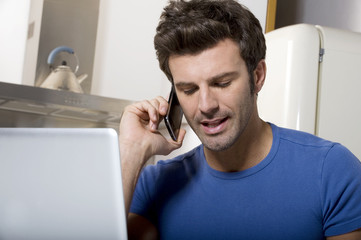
(214, 126)
(213, 123)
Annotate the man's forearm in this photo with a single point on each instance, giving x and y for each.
(132, 164)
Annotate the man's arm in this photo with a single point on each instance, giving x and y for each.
(355, 235)
(140, 228)
(139, 140)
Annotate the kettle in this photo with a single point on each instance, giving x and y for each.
(62, 77)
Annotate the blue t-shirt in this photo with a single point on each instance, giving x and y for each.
(306, 188)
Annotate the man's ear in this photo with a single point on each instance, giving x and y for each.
(259, 76)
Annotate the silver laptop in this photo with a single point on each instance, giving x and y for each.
(58, 183)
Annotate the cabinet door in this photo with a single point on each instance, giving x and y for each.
(339, 105)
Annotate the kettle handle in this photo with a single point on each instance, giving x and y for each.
(59, 49)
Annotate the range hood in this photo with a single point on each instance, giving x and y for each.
(28, 106)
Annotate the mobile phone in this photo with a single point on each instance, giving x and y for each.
(173, 118)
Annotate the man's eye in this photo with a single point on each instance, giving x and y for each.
(223, 84)
(189, 91)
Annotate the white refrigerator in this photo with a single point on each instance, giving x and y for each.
(313, 82)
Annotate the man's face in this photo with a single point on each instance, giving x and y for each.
(214, 92)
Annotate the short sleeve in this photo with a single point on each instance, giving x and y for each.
(142, 197)
(341, 191)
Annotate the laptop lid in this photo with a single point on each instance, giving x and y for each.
(58, 183)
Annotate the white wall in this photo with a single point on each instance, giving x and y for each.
(19, 43)
(13, 24)
(258, 8)
(125, 63)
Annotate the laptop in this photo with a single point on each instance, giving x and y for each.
(60, 183)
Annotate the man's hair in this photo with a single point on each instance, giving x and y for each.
(190, 27)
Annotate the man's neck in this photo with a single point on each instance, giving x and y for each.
(250, 149)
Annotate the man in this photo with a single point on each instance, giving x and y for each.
(249, 179)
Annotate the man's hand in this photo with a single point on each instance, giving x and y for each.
(139, 139)
(139, 128)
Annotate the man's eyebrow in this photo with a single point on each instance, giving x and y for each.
(184, 84)
(223, 75)
(210, 80)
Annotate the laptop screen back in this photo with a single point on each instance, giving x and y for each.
(58, 183)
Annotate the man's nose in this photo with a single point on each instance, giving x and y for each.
(207, 102)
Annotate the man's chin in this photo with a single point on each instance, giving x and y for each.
(217, 145)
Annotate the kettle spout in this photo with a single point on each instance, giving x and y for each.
(81, 78)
